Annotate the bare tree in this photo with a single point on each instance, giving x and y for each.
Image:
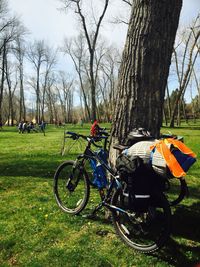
(19, 52)
(123, 14)
(10, 29)
(91, 37)
(4, 23)
(65, 95)
(11, 90)
(108, 79)
(129, 2)
(50, 61)
(197, 82)
(184, 68)
(2, 79)
(37, 56)
(75, 48)
(51, 100)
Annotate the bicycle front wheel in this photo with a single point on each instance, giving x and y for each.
(144, 231)
(71, 187)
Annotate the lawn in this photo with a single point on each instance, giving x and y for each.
(35, 232)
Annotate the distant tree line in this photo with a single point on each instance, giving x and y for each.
(184, 75)
(33, 88)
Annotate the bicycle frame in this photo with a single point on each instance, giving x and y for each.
(115, 183)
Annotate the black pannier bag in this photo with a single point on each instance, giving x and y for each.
(143, 184)
(127, 165)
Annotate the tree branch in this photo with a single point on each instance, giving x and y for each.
(127, 2)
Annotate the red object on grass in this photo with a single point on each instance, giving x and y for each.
(94, 130)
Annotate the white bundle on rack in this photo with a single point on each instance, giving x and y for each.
(142, 150)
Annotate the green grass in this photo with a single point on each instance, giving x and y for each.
(35, 232)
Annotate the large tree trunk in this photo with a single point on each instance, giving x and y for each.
(145, 67)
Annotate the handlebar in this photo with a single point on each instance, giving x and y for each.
(75, 136)
(91, 139)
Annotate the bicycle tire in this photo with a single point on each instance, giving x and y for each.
(181, 192)
(71, 187)
(131, 232)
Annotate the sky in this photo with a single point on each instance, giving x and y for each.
(46, 22)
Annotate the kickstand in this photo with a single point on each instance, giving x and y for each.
(97, 208)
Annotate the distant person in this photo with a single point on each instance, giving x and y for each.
(95, 128)
(24, 126)
(28, 127)
(42, 126)
(33, 127)
(20, 127)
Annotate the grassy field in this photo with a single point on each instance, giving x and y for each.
(35, 233)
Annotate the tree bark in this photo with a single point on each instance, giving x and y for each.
(2, 79)
(19, 51)
(22, 109)
(145, 67)
(10, 94)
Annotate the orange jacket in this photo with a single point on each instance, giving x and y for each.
(170, 159)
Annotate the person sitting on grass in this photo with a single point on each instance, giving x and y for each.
(24, 126)
(20, 127)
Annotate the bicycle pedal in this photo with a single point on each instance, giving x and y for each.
(89, 216)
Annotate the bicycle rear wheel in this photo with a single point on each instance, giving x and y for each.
(144, 231)
(71, 187)
(176, 190)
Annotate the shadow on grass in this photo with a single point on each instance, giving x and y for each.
(41, 166)
(9, 129)
(186, 221)
(183, 248)
(28, 168)
(187, 127)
